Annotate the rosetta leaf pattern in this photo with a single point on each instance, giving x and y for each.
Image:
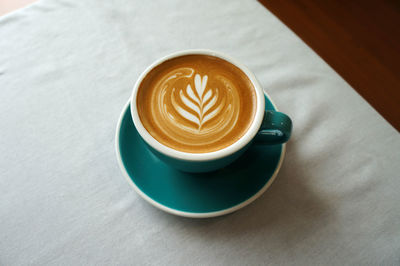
(199, 100)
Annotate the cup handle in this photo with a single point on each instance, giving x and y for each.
(276, 128)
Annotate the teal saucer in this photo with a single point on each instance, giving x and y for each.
(195, 195)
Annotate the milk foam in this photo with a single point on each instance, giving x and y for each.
(196, 108)
(202, 110)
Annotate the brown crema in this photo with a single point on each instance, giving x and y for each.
(196, 103)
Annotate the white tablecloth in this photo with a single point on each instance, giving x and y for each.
(67, 69)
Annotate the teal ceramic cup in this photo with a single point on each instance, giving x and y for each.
(267, 128)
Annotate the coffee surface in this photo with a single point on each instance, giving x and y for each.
(196, 103)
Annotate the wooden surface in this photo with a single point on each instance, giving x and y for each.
(360, 39)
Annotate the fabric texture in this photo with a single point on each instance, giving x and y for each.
(67, 69)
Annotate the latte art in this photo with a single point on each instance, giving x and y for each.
(196, 103)
(200, 103)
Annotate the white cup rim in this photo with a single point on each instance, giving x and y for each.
(186, 156)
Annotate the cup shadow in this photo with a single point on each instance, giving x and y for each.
(289, 208)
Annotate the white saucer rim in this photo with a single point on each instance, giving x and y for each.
(184, 213)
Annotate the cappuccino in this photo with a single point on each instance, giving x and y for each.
(196, 103)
